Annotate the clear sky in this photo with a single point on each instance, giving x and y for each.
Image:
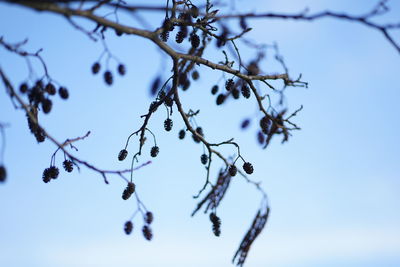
(334, 188)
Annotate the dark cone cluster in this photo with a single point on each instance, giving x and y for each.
(232, 170)
(96, 68)
(63, 92)
(194, 40)
(180, 36)
(154, 151)
(108, 77)
(216, 224)
(50, 89)
(46, 175)
(220, 99)
(200, 132)
(168, 124)
(68, 165)
(46, 105)
(3, 174)
(53, 172)
(128, 227)
(122, 154)
(147, 233)
(229, 84)
(129, 190)
(245, 91)
(149, 217)
(264, 124)
(214, 89)
(181, 134)
(121, 69)
(204, 159)
(248, 167)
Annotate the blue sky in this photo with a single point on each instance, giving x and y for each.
(333, 188)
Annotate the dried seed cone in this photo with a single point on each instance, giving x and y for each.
(194, 40)
(204, 159)
(149, 217)
(180, 36)
(46, 175)
(154, 151)
(53, 172)
(108, 77)
(168, 124)
(216, 224)
(182, 134)
(147, 233)
(129, 190)
(248, 167)
(3, 174)
(121, 69)
(229, 84)
(96, 67)
(232, 170)
(128, 227)
(245, 91)
(68, 165)
(63, 92)
(122, 154)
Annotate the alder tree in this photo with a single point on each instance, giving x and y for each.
(186, 31)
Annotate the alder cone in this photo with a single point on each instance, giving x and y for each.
(3, 174)
(248, 167)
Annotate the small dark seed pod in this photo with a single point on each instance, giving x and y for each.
(63, 92)
(235, 93)
(182, 134)
(118, 33)
(23, 88)
(195, 75)
(129, 190)
(68, 165)
(220, 99)
(214, 89)
(245, 124)
(180, 36)
(204, 159)
(216, 224)
(248, 167)
(46, 175)
(147, 233)
(199, 130)
(154, 151)
(260, 137)
(122, 154)
(264, 124)
(46, 105)
(229, 84)
(53, 172)
(108, 77)
(245, 91)
(121, 69)
(232, 170)
(96, 67)
(3, 174)
(128, 227)
(194, 40)
(149, 217)
(168, 124)
(164, 35)
(50, 89)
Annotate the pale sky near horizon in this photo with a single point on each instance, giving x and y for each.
(334, 188)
